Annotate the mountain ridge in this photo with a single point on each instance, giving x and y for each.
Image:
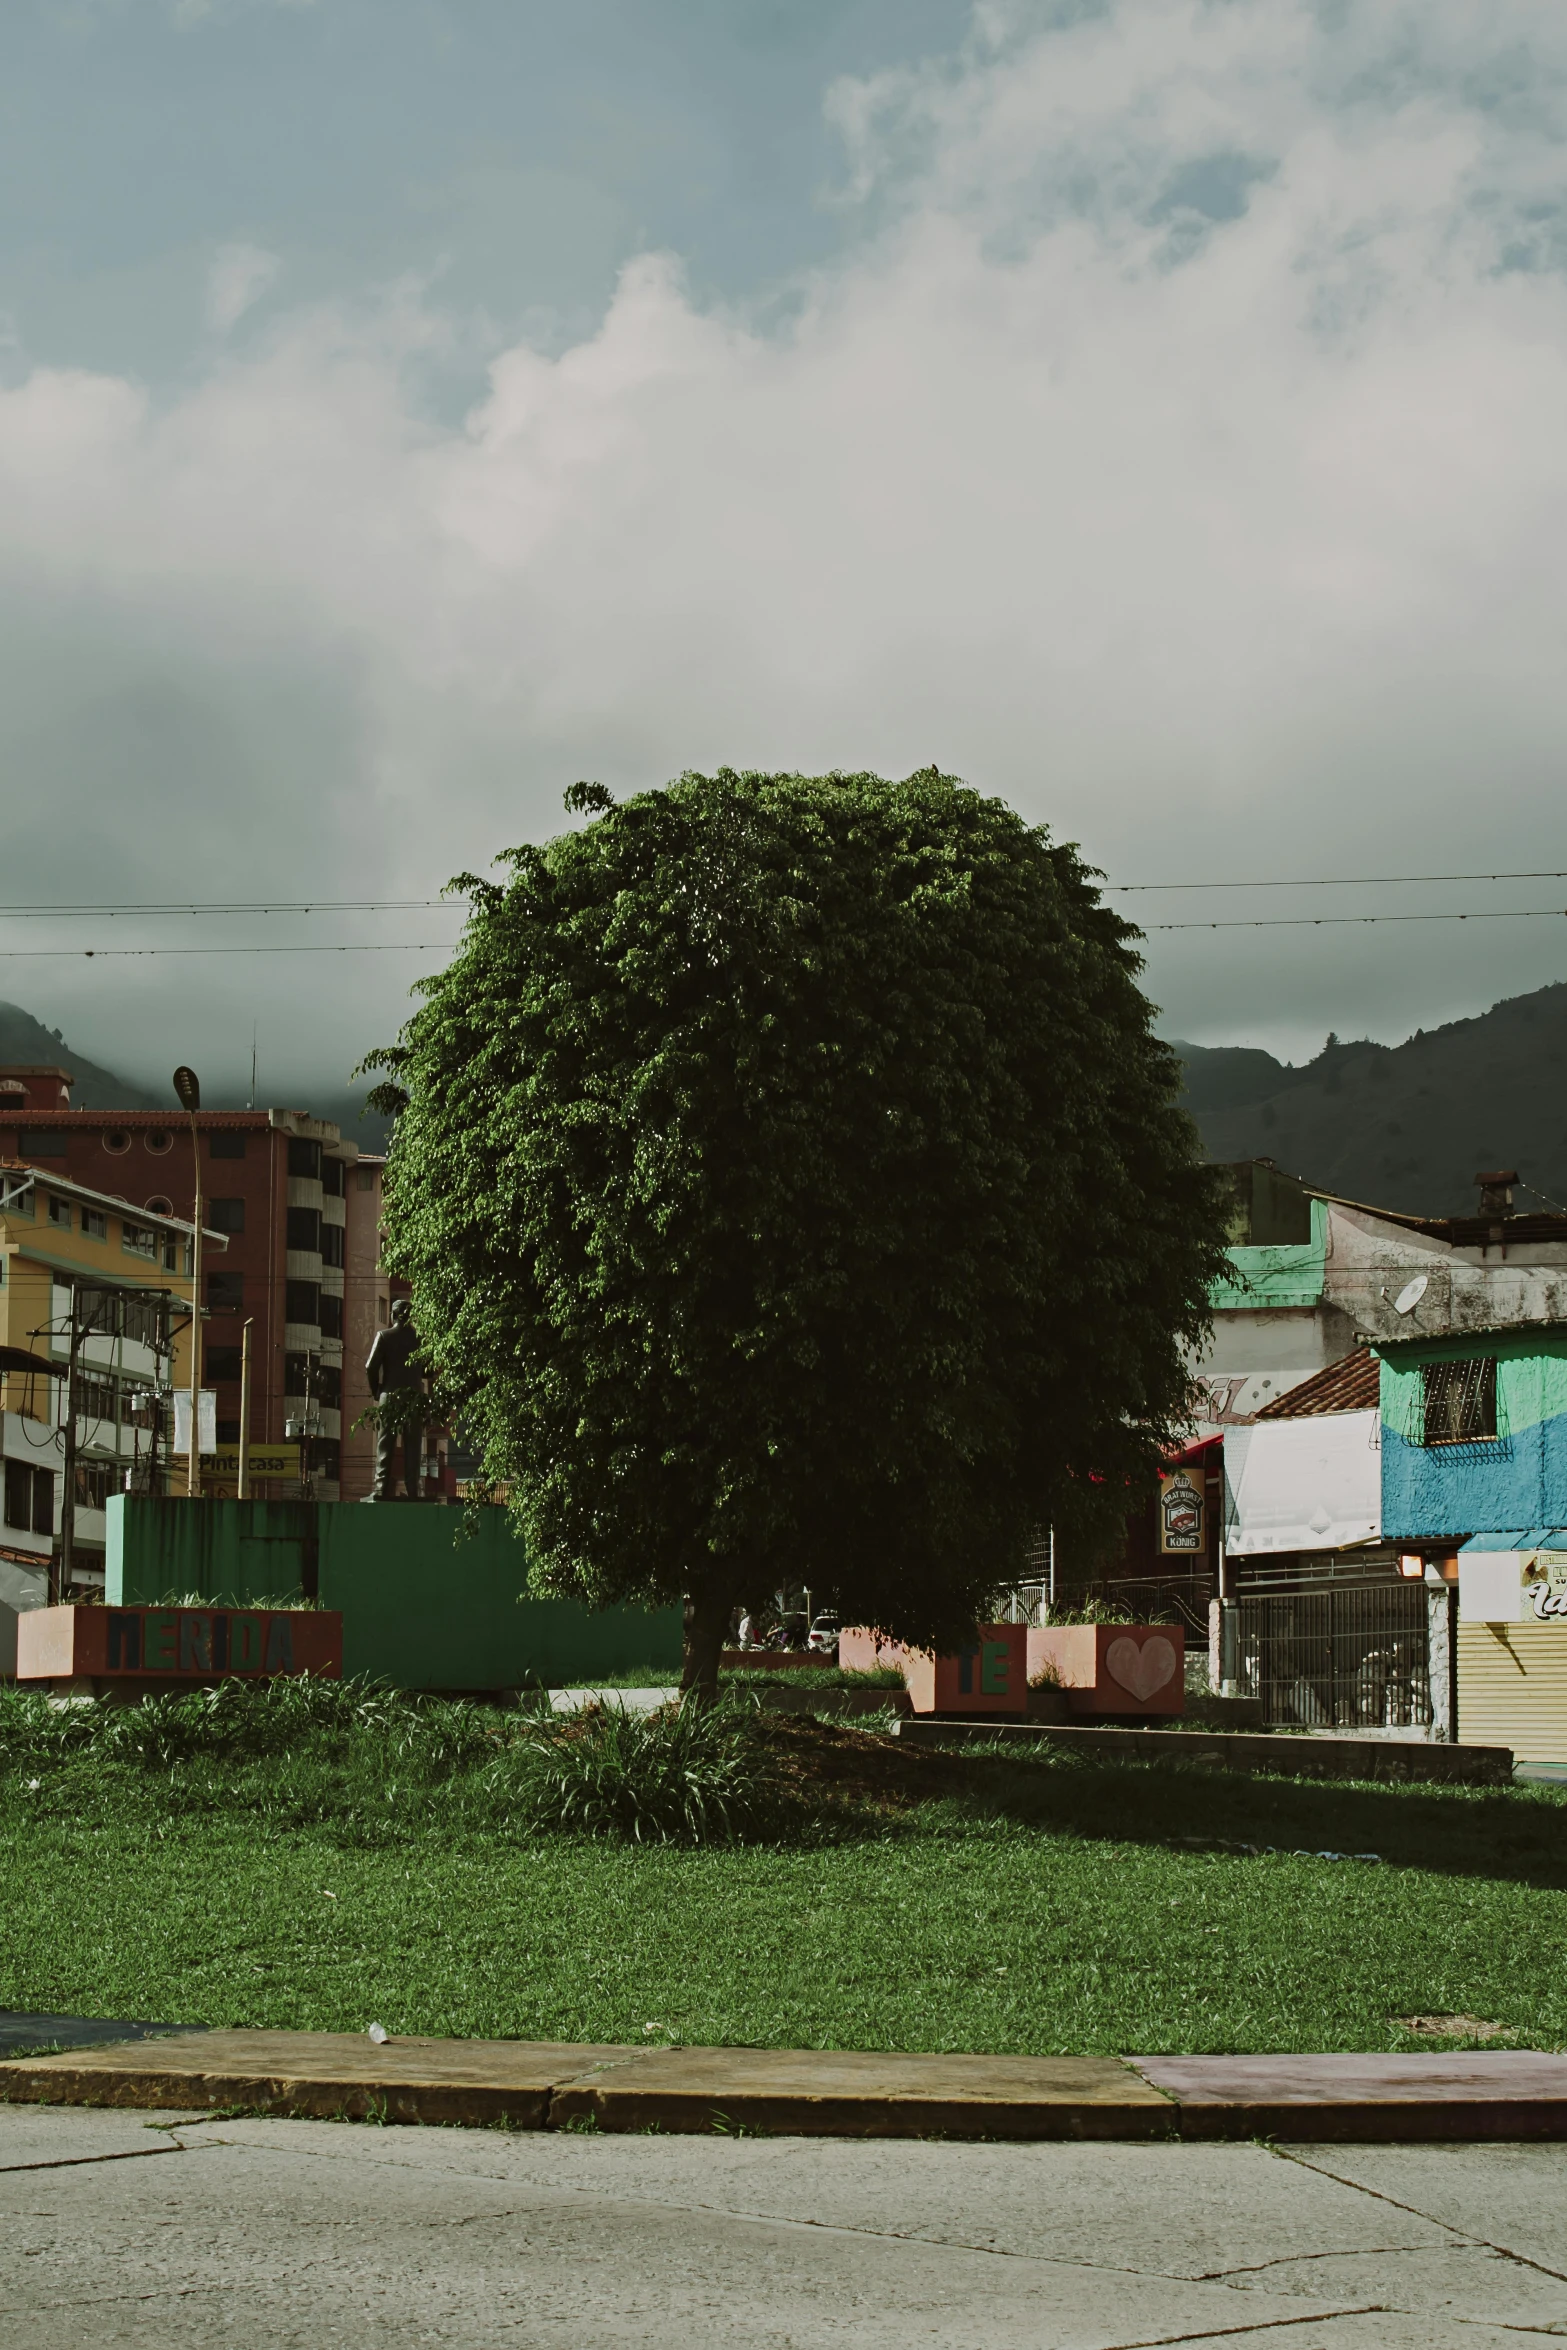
(1401, 1126)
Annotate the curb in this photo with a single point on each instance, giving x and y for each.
(1310, 1756)
(539, 2085)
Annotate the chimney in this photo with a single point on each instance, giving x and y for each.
(1496, 1191)
(24, 1086)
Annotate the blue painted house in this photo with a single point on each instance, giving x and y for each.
(1474, 1477)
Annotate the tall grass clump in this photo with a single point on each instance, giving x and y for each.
(678, 1776)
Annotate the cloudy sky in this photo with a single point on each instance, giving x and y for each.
(1152, 412)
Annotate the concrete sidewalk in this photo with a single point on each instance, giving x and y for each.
(550, 2085)
(298, 2235)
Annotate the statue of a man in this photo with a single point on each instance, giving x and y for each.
(397, 1383)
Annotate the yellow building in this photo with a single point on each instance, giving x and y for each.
(98, 1294)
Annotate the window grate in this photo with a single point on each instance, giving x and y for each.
(1458, 1402)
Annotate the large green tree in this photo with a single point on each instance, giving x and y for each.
(792, 1188)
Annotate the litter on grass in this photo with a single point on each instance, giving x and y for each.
(1290, 1851)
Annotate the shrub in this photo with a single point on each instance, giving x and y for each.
(676, 1776)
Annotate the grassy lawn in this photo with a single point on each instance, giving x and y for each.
(957, 1902)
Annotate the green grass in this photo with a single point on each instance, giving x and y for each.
(367, 1866)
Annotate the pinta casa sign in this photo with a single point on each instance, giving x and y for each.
(189, 1643)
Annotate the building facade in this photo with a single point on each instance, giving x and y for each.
(300, 1219)
(99, 1299)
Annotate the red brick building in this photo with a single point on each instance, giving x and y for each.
(302, 1219)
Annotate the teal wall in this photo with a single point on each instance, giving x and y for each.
(421, 1607)
(1285, 1273)
(1514, 1480)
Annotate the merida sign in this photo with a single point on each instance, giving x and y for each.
(177, 1643)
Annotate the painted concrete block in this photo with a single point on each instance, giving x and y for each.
(1113, 1668)
(176, 1643)
(989, 1677)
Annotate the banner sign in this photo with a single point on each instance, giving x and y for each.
(1183, 1511)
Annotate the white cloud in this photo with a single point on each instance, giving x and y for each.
(1180, 456)
(239, 276)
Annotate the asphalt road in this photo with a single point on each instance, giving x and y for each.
(130, 2229)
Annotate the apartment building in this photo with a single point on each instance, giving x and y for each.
(300, 1217)
(95, 1313)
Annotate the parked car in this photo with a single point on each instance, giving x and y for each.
(822, 1639)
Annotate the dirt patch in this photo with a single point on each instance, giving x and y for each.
(817, 1759)
(1453, 2027)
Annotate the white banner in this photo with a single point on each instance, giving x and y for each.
(1308, 1484)
(207, 1399)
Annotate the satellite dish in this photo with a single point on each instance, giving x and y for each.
(1411, 1294)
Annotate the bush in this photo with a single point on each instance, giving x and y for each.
(677, 1776)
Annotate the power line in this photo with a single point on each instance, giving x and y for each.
(1324, 921)
(1126, 889)
(71, 913)
(442, 946)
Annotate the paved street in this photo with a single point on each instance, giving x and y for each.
(125, 2229)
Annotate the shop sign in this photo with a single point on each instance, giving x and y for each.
(1183, 1511)
(1544, 1574)
(266, 1460)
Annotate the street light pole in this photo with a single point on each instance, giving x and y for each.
(187, 1085)
(244, 1414)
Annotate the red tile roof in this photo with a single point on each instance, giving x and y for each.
(1351, 1385)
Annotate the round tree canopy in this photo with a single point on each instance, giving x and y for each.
(792, 1189)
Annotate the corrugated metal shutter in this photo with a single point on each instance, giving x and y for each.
(1512, 1688)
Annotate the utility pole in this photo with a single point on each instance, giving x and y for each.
(187, 1085)
(68, 1499)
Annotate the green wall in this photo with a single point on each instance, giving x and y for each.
(421, 1608)
(1286, 1273)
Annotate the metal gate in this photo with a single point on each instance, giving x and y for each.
(1338, 1660)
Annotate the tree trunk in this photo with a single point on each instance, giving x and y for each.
(707, 1614)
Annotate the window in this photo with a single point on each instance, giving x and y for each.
(302, 1376)
(227, 1143)
(59, 1211)
(329, 1458)
(304, 1230)
(304, 1159)
(29, 1498)
(19, 1495)
(364, 1178)
(98, 1399)
(117, 1142)
(302, 1302)
(329, 1386)
(160, 1204)
(228, 1432)
(95, 1223)
(159, 1141)
(143, 1320)
(225, 1293)
(95, 1481)
(224, 1215)
(331, 1317)
(44, 1142)
(16, 1194)
(333, 1178)
(1459, 1401)
(139, 1240)
(331, 1244)
(223, 1362)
